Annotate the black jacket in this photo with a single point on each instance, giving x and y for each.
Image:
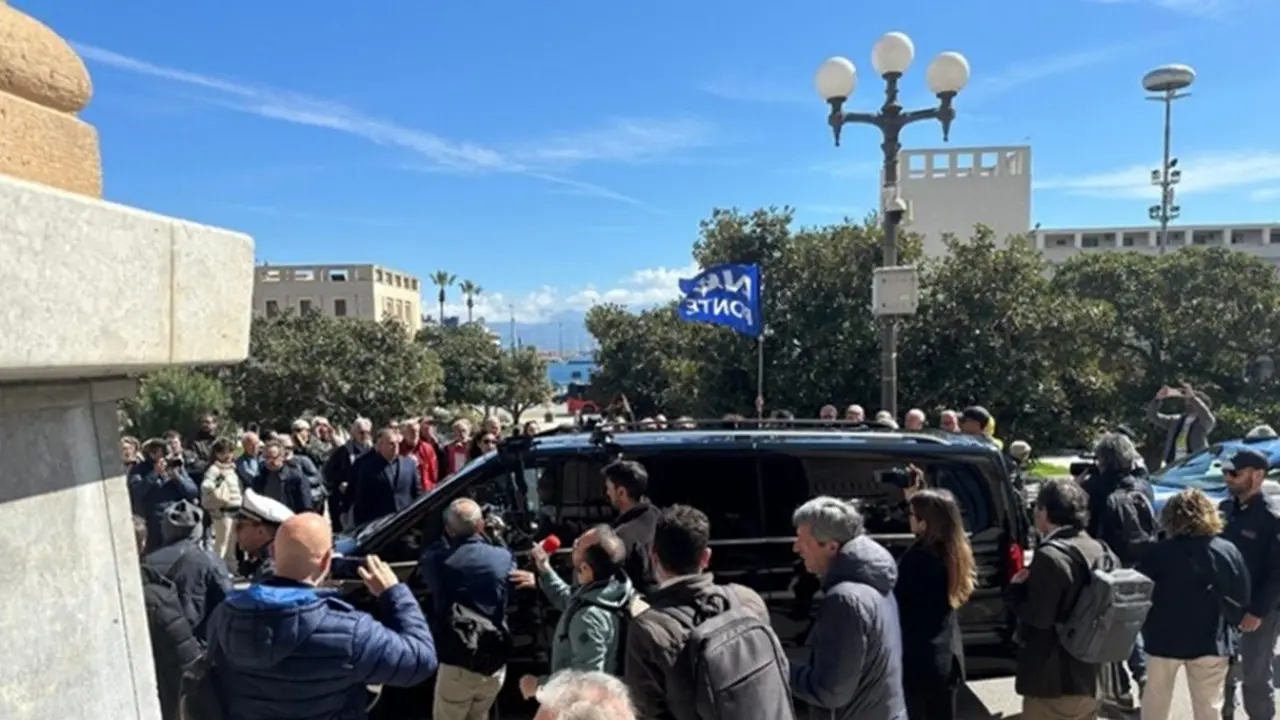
(287, 485)
(173, 645)
(200, 579)
(1108, 506)
(383, 487)
(1045, 669)
(932, 647)
(1201, 589)
(339, 470)
(635, 528)
(1254, 528)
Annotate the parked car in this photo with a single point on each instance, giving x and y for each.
(748, 481)
(1203, 470)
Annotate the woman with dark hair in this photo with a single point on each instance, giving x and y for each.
(935, 577)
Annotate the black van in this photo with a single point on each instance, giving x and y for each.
(748, 481)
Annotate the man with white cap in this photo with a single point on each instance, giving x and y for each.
(257, 521)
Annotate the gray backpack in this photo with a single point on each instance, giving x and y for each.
(740, 671)
(1106, 617)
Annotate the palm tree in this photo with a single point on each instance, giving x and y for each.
(470, 290)
(443, 279)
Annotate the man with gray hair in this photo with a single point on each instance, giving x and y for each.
(467, 580)
(853, 667)
(339, 471)
(576, 695)
(1122, 515)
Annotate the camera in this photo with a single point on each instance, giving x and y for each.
(898, 477)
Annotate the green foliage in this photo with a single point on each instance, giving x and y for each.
(520, 381)
(991, 331)
(468, 358)
(338, 367)
(1055, 355)
(173, 399)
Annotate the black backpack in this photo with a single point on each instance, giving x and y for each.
(468, 639)
(740, 671)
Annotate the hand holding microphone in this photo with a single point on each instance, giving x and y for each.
(543, 551)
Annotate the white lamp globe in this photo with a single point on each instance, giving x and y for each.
(836, 78)
(893, 53)
(948, 73)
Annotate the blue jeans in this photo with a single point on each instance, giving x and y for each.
(1138, 661)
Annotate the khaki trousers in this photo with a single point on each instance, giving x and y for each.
(1206, 679)
(224, 541)
(465, 695)
(1070, 707)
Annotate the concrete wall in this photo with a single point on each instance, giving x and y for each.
(950, 190)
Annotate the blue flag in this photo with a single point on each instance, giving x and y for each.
(727, 295)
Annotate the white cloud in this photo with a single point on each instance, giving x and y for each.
(622, 140)
(1265, 194)
(641, 289)
(1204, 173)
(1193, 8)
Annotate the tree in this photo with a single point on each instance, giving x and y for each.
(520, 381)
(342, 368)
(990, 330)
(822, 341)
(468, 358)
(1197, 315)
(443, 280)
(173, 399)
(470, 290)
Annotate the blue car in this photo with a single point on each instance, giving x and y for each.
(1203, 470)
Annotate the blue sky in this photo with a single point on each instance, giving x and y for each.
(560, 153)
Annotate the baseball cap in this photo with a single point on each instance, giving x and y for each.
(1246, 459)
(976, 413)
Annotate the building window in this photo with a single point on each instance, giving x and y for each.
(271, 276)
(1206, 237)
(413, 284)
(1090, 241)
(304, 275)
(1133, 239)
(340, 307)
(379, 275)
(1275, 236)
(1059, 241)
(337, 276)
(388, 308)
(304, 307)
(273, 308)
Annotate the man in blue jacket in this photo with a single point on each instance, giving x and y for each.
(285, 649)
(157, 483)
(464, 569)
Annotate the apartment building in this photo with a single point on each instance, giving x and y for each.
(362, 291)
(1262, 240)
(950, 190)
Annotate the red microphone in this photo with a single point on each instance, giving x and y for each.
(550, 544)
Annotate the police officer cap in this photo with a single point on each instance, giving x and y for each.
(261, 508)
(1246, 459)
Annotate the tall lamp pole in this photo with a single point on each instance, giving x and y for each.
(836, 80)
(1166, 84)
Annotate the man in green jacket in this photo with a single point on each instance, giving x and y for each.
(594, 610)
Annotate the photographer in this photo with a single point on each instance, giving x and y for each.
(158, 482)
(466, 575)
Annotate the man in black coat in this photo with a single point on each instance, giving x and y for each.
(339, 472)
(282, 481)
(173, 644)
(201, 578)
(625, 484)
(386, 482)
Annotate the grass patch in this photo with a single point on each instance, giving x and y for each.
(1045, 470)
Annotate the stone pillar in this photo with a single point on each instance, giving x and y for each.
(91, 294)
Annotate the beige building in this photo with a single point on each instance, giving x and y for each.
(363, 291)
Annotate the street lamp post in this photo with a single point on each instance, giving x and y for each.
(1166, 84)
(836, 80)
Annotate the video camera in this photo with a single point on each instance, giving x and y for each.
(1086, 465)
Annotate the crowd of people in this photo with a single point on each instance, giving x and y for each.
(646, 631)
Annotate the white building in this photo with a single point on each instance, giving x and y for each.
(949, 190)
(1260, 240)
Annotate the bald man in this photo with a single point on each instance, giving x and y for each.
(464, 569)
(283, 649)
